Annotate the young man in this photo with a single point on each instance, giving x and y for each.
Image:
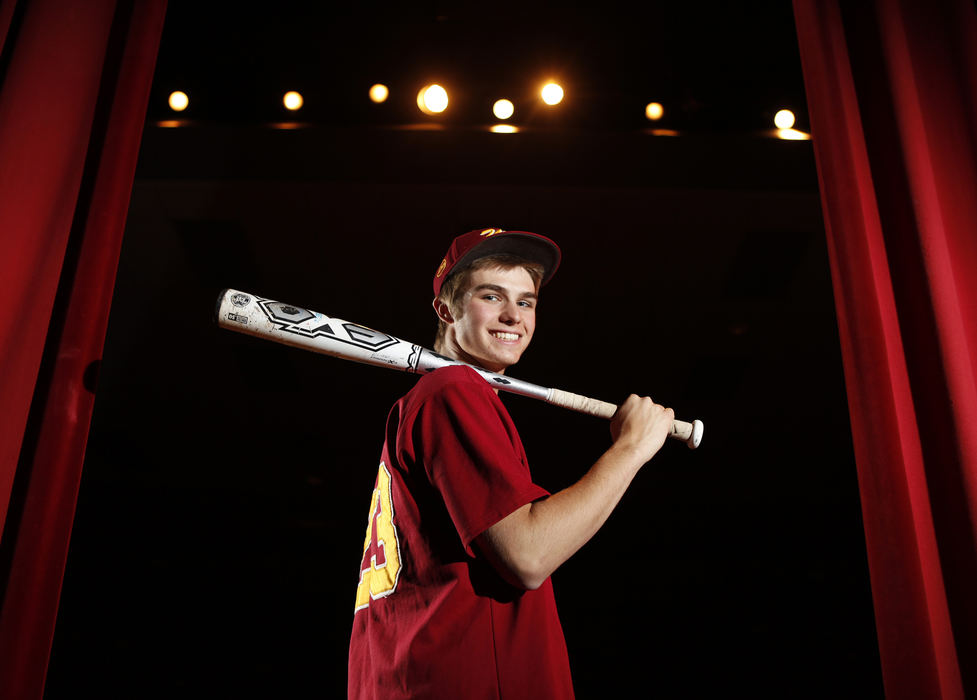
(454, 598)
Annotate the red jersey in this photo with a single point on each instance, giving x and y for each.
(432, 618)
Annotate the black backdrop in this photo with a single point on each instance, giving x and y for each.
(223, 504)
(227, 479)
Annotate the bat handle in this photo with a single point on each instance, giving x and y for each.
(689, 433)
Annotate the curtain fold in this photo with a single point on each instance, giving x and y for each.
(75, 86)
(892, 91)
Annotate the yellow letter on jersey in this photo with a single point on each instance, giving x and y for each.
(380, 567)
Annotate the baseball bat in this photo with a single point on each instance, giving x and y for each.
(302, 328)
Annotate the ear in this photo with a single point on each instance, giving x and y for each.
(442, 310)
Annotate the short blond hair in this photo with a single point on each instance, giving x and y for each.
(455, 287)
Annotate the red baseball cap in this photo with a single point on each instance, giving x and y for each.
(469, 247)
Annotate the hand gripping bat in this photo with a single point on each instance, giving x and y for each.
(310, 330)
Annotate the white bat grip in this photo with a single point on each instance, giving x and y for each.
(689, 433)
(582, 404)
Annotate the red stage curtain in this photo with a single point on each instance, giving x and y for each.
(74, 86)
(892, 95)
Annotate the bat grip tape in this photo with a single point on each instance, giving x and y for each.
(581, 404)
(690, 433)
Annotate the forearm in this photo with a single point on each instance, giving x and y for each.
(534, 541)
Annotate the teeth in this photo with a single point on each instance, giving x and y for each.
(506, 336)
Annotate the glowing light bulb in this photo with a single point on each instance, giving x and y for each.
(432, 99)
(379, 93)
(292, 100)
(551, 93)
(178, 101)
(654, 111)
(503, 109)
(784, 119)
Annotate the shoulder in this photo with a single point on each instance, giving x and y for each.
(456, 390)
(454, 380)
(452, 374)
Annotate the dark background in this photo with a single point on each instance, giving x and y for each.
(224, 496)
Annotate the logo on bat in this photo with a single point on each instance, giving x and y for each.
(293, 319)
(239, 299)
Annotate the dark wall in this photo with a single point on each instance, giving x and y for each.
(227, 479)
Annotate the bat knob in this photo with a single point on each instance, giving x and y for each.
(696, 438)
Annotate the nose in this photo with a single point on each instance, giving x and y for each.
(511, 313)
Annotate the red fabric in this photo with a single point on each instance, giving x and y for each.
(892, 89)
(6, 15)
(70, 124)
(445, 625)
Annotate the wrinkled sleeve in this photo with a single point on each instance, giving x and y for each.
(473, 457)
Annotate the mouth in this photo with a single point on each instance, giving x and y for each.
(505, 336)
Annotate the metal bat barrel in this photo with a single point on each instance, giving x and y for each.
(292, 325)
(250, 314)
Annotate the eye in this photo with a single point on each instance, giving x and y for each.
(526, 303)
(491, 297)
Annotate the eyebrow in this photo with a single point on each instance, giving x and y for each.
(503, 290)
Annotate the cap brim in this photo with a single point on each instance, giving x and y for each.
(523, 244)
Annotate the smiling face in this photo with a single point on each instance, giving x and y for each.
(495, 318)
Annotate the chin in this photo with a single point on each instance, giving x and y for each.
(496, 364)
(502, 365)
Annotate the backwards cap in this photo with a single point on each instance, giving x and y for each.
(480, 243)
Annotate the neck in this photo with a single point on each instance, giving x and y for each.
(451, 348)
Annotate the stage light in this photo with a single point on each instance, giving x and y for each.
(503, 109)
(504, 129)
(654, 111)
(432, 99)
(292, 100)
(784, 119)
(792, 135)
(178, 101)
(552, 94)
(379, 93)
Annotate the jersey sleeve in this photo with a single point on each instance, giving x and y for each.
(474, 457)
